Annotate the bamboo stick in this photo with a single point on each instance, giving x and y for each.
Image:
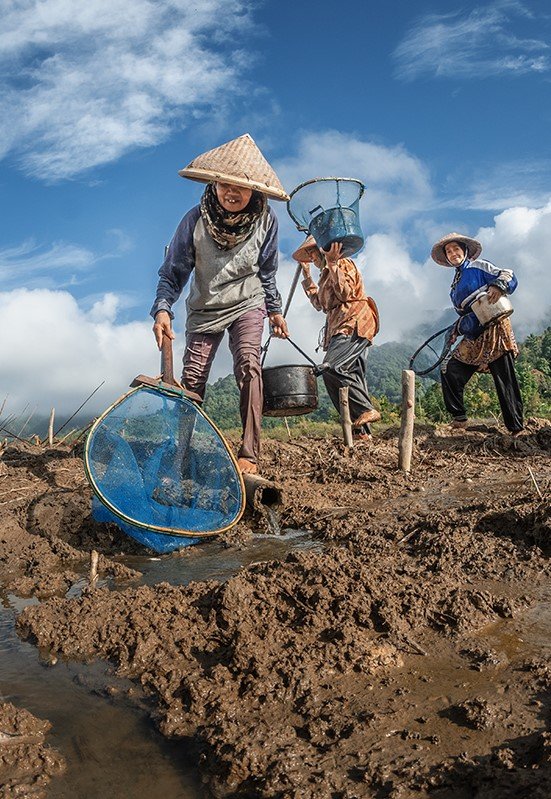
(28, 420)
(536, 486)
(80, 407)
(51, 428)
(94, 561)
(405, 439)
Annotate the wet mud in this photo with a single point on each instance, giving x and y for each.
(27, 763)
(408, 656)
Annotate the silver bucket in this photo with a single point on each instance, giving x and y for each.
(487, 313)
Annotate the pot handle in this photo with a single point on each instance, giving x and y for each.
(302, 352)
(264, 349)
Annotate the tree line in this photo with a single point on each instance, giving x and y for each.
(385, 365)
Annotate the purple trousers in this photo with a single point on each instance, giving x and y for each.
(245, 338)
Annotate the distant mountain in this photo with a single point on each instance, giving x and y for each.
(385, 365)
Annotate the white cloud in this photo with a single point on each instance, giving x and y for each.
(49, 266)
(467, 45)
(53, 353)
(86, 81)
(397, 183)
(521, 239)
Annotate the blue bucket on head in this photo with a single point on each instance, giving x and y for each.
(328, 209)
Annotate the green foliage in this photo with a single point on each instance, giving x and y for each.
(534, 374)
(533, 369)
(385, 365)
(384, 369)
(430, 404)
(222, 403)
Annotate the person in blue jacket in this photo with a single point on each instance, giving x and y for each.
(484, 347)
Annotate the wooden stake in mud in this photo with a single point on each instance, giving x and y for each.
(346, 421)
(405, 439)
(94, 561)
(51, 428)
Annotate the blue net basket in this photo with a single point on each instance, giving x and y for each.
(328, 209)
(161, 471)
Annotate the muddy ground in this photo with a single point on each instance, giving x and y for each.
(409, 658)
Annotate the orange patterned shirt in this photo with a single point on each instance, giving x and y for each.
(341, 295)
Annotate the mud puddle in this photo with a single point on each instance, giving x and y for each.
(401, 649)
(214, 561)
(109, 746)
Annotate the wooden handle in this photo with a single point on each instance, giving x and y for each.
(167, 362)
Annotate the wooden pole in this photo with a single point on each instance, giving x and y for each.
(51, 428)
(405, 440)
(346, 421)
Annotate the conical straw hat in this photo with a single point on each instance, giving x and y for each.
(438, 254)
(239, 162)
(301, 255)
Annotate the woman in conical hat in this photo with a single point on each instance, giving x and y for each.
(352, 322)
(484, 348)
(228, 246)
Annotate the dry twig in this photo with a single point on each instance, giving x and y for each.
(536, 486)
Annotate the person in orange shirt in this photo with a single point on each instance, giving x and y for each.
(352, 322)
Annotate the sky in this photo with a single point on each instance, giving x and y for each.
(442, 109)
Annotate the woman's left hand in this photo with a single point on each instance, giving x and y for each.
(278, 325)
(494, 293)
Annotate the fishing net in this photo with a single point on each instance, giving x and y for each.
(328, 209)
(433, 353)
(161, 470)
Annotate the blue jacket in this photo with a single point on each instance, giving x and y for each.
(474, 276)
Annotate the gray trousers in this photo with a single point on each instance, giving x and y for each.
(245, 336)
(347, 357)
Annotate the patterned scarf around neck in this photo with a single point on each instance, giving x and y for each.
(230, 228)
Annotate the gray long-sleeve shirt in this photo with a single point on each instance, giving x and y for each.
(226, 283)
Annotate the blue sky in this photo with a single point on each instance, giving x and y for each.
(442, 109)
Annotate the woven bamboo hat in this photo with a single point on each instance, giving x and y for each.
(301, 255)
(240, 162)
(474, 248)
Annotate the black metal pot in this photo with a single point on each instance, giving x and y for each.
(289, 390)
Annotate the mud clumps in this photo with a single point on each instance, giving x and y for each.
(27, 765)
(388, 664)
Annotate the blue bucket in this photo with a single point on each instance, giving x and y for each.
(328, 209)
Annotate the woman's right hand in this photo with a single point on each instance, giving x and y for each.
(162, 327)
(334, 253)
(306, 270)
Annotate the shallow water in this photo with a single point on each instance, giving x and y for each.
(110, 746)
(111, 749)
(213, 561)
